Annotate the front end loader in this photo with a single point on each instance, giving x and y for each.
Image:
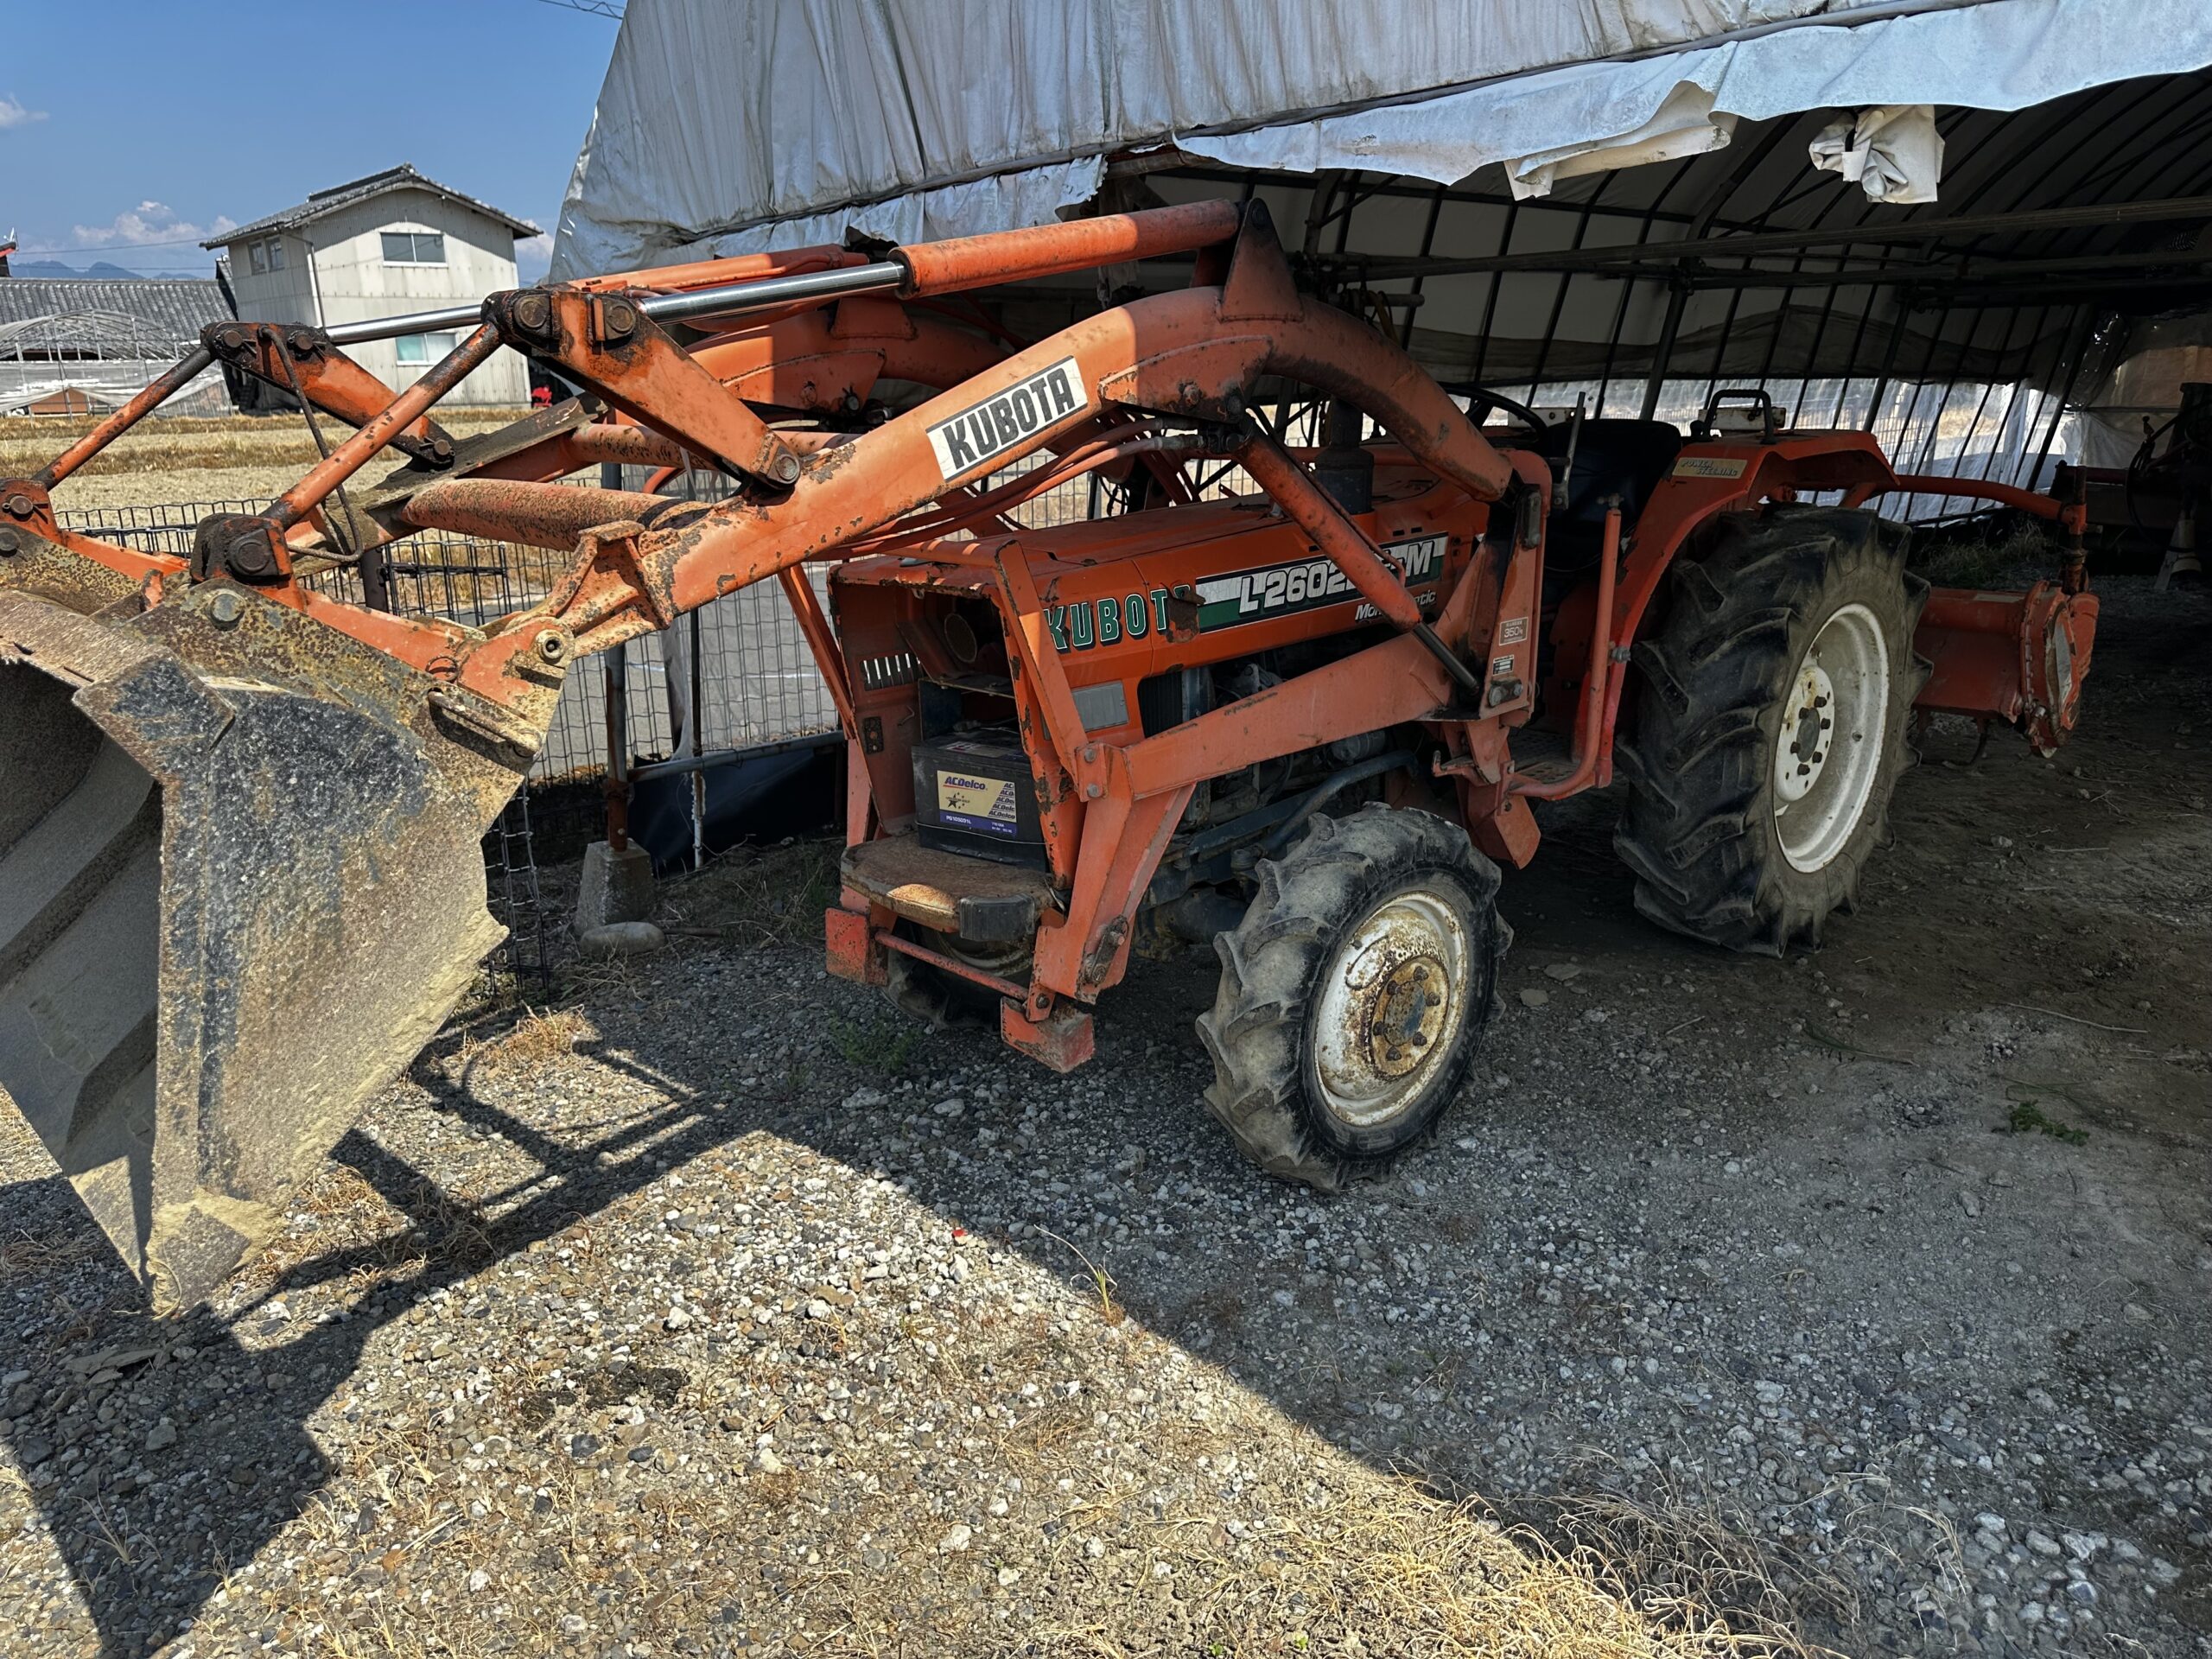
(1297, 703)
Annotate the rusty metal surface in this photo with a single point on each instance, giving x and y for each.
(30, 563)
(925, 884)
(535, 439)
(240, 885)
(396, 417)
(2020, 658)
(298, 358)
(541, 515)
(605, 342)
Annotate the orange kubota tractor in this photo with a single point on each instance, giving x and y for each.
(239, 875)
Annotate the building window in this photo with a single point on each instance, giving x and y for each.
(414, 248)
(275, 245)
(258, 252)
(420, 351)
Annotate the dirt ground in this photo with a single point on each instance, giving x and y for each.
(1856, 1301)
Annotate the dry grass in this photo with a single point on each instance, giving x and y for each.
(27, 443)
(759, 896)
(536, 1039)
(1454, 1578)
(1330, 1557)
(24, 1255)
(161, 463)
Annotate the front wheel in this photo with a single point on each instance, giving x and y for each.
(1353, 993)
(1771, 726)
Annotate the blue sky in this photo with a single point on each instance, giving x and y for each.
(153, 121)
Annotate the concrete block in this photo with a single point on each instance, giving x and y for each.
(616, 886)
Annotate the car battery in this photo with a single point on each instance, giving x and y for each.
(974, 793)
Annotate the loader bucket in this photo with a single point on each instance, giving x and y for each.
(240, 886)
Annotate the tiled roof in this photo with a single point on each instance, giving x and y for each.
(324, 202)
(171, 310)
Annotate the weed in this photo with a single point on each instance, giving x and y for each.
(1965, 559)
(885, 1046)
(2027, 1118)
(27, 1254)
(771, 895)
(1101, 1281)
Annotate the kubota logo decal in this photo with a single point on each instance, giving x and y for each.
(1091, 622)
(979, 435)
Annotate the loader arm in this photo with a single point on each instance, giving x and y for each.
(240, 881)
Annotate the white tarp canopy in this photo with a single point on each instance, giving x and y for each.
(727, 126)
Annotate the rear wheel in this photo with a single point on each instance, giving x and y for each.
(1353, 993)
(1770, 727)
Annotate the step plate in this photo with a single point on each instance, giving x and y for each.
(972, 898)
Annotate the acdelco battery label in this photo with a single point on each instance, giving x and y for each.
(1306, 584)
(972, 802)
(980, 433)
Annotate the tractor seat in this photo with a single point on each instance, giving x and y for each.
(1613, 457)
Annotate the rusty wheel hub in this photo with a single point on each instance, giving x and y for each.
(1393, 1001)
(1408, 1012)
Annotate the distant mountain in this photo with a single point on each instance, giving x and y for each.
(54, 268)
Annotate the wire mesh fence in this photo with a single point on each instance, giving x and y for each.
(434, 573)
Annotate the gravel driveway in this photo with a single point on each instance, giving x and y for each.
(1856, 1301)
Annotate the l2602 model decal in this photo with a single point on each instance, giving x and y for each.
(978, 435)
(1253, 595)
(1303, 585)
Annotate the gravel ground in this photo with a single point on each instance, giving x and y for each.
(1858, 1301)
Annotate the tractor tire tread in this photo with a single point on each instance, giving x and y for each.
(1270, 964)
(1712, 676)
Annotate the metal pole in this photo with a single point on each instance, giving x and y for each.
(699, 777)
(724, 299)
(617, 688)
(1664, 353)
(618, 748)
(2086, 325)
(2170, 210)
(1489, 299)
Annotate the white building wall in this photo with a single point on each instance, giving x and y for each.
(336, 272)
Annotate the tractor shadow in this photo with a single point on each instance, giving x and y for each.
(161, 1454)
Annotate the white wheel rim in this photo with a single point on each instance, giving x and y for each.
(1827, 751)
(1394, 999)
